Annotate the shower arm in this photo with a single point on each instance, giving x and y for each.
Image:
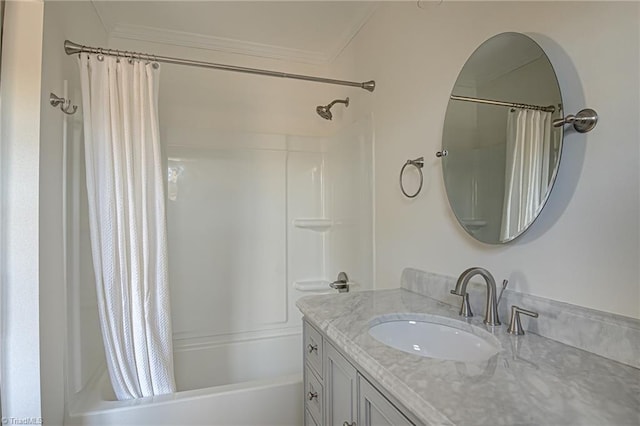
(338, 101)
(72, 48)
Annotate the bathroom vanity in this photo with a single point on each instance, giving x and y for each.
(351, 378)
(337, 393)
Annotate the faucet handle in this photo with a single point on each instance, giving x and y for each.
(465, 307)
(515, 327)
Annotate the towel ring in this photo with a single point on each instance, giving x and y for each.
(418, 163)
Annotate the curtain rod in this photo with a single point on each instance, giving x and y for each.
(549, 108)
(72, 48)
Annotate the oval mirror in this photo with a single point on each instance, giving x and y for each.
(502, 150)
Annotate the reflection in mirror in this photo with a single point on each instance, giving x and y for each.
(502, 149)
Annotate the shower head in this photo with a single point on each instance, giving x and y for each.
(324, 111)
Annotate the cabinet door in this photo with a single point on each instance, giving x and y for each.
(340, 388)
(374, 409)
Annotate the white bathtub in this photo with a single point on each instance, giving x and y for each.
(252, 382)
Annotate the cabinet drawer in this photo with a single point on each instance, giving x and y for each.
(313, 348)
(313, 395)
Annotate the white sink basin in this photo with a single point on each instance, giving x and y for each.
(434, 340)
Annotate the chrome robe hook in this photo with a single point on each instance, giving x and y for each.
(65, 104)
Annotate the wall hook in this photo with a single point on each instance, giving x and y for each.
(65, 104)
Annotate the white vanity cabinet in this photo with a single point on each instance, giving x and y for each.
(376, 410)
(340, 380)
(336, 394)
(313, 374)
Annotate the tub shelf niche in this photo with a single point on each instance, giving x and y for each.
(314, 224)
(316, 286)
(320, 286)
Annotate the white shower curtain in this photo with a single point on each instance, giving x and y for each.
(127, 222)
(527, 171)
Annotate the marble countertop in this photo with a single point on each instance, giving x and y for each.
(532, 381)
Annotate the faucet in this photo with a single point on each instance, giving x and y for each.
(342, 283)
(491, 308)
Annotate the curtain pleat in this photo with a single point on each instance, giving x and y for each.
(528, 158)
(127, 222)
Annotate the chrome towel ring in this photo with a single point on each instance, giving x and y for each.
(418, 163)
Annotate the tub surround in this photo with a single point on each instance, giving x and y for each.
(533, 380)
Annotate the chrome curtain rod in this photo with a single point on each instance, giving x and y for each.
(549, 108)
(72, 48)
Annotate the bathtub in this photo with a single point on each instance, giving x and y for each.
(257, 381)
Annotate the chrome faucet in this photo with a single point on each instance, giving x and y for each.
(342, 283)
(491, 308)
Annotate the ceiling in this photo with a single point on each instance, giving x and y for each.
(304, 31)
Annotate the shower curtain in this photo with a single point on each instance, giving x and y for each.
(527, 171)
(127, 222)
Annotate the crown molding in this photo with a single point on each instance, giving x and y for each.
(228, 45)
(349, 33)
(97, 6)
(221, 44)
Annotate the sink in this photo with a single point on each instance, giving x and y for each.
(437, 337)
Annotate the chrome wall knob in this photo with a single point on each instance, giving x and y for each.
(312, 347)
(312, 395)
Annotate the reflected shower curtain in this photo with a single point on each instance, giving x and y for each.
(127, 222)
(527, 171)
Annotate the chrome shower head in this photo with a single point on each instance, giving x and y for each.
(324, 111)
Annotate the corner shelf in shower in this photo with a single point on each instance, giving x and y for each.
(314, 224)
(474, 224)
(313, 286)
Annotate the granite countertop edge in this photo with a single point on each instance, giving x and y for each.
(524, 362)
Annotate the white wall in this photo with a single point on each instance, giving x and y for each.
(584, 248)
(20, 144)
(197, 98)
(67, 300)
